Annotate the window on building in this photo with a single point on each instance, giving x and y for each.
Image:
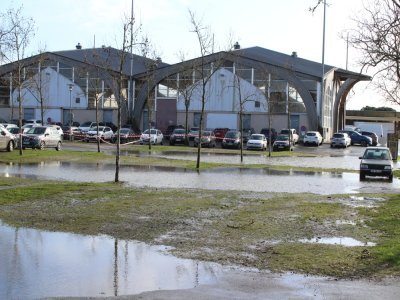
(257, 104)
(196, 119)
(29, 113)
(77, 100)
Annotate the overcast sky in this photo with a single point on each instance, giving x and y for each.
(279, 25)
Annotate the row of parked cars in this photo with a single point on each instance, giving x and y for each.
(37, 137)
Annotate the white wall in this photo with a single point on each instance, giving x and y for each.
(215, 120)
(55, 91)
(222, 95)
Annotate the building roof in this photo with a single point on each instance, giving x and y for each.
(107, 57)
(295, 63)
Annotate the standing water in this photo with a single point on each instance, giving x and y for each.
(37, 264)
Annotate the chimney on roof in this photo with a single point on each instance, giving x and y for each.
(78, 46)
(294, 54)
(236, 46)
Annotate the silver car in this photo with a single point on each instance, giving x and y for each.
(7, 140)
(41, 137)
(340, 139)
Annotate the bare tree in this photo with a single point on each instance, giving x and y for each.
(150, 65)
(185, 87)
(205, 41)
(38, 84)
(243, 98)
(15, 40)
(377, 35)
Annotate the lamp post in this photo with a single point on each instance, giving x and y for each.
(70, 86)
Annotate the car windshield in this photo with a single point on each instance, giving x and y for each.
(13, 130)
(37, 130)
(256, 137)
(282, 138)
(377, 154)
(206, 133)
(338, 135)
(86, 124)
(124, 130)
(152, 131)
(311, 134)
(232, 134)
(179, 131)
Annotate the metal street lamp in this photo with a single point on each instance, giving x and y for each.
(70, 86)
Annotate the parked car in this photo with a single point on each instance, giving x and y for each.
(72, 133)
(257, 141)
(358, 138)
(376, 161)
(26, 127)
(232, 139)
(177, 136)
(340, 139)
(126, 135)
(220, 133)
(283, 142)
(274, 134)
(292, 133)
(312, 138)
(171, 129)
(208, 139)
(105, 134)
(8, 125)
(33, 121)
(153, 136)
(193, 132)
(59, 129)
(109, 124)
(40, 137)
(7, 140)
(247, 132)
(372, 135)
(86, 126)
(16, 132)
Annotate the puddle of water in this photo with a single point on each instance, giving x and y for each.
(36, 264)
(342, 241)
(345, 222)
(238, 179)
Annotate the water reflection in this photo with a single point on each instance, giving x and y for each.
(342, 241)
(36, 264)
(240, 179)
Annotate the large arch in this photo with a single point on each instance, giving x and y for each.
(339, 105)
(286, 74)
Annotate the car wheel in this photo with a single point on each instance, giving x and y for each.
(364, 143)
(41, 146)
(391, 178)
(58, 148)
(362, 176)
(10, 146)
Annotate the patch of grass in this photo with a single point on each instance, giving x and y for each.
(256, 230)
(385, 219)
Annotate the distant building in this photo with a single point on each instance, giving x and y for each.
(258, 82)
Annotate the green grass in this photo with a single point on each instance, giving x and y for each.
(257, 230)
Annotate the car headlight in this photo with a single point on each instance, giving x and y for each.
(363, 166)
(388, 167)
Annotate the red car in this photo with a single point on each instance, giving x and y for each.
(220, 133)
